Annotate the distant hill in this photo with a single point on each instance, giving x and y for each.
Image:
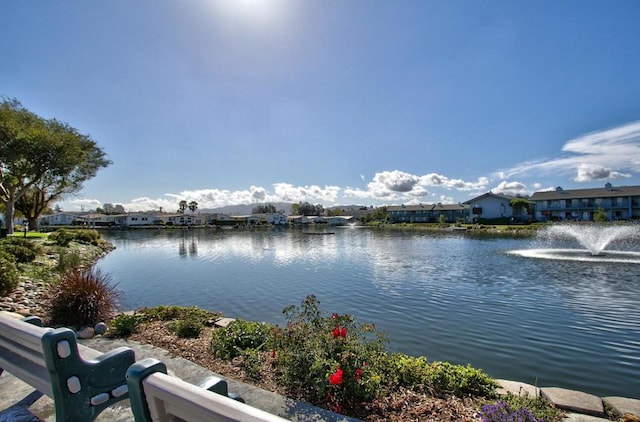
(285, 206)
(246, 209)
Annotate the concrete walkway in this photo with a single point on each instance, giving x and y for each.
(581, 407)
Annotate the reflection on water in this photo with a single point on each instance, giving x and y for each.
(567, 323)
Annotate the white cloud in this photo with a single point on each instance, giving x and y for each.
(393, 181)
(511, 188)
(589, 172)
(607, 154)
(434, 179)
(80, 204)
(286, 192)
(444, 199)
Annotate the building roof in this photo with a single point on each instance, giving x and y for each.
(494, 195)
(608, 191)
(428, 207)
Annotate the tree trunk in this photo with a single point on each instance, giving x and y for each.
(9, 213)
(33, 223)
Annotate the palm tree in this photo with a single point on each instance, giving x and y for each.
(193, 206)
(182, 206)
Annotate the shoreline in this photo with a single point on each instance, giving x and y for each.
(27, 299)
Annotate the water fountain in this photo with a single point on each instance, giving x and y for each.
(593, 237)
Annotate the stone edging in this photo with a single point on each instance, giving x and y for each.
(574, 401)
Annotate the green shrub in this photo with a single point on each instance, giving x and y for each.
(174, 312)
(239, 336)
(86, 236)
(8, 274)
(187, 328)
(67, 260)
(62, 237)
(460, 380)
(252, 363)
(124, 325)
(330, 361)
(22, 254)
(407, 371)
(12, 240)
(81, 299)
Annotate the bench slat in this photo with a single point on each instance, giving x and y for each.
(170, 397)
(21, 352)
(21, 334)
(27, 370)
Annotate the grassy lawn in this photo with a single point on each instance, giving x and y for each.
(30, 235)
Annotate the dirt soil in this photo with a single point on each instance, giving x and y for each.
(399, 405)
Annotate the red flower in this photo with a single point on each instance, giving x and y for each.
(358, 374)
(273, 354)
(336, 378)
(339, 332)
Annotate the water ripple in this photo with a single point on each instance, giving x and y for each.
(563, 322)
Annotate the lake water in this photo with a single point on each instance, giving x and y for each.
(450, 297)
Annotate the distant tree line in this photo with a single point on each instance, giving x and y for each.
(264, 209)
(305, 208)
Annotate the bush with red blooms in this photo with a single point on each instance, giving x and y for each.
(328, 360)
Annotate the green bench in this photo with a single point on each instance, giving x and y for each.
(81, 381)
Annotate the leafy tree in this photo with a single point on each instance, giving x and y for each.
(519, 205)
(600, 216)
(193, 206)
(32, 204)
(43, 157)
(305, 208)
(379, 214)
(264, 209)
(182, 206)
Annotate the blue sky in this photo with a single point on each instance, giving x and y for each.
(333, 101)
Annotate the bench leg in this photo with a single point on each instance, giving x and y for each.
(83, 388)
(135, 375)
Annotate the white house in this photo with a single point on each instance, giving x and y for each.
(187, 220)
(276, 219)
(490, 205)
(59, 219)
(339, 220)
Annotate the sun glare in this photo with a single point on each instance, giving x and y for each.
(256, 12)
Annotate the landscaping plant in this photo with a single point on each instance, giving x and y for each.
(81, 298)
(8, 273)
(174, 312)
(522, 408)
(189, 327)
(240, 336)
(329, 361)
(124, 325)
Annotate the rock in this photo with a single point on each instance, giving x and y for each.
(86, 332)
(100, 328)
(24, 311)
